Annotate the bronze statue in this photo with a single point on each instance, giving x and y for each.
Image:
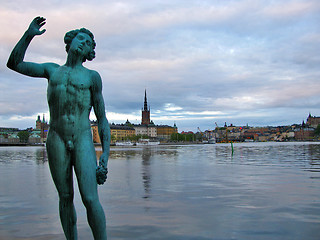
(72, 91)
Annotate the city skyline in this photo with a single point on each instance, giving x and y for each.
(241, 62)
(304, 124)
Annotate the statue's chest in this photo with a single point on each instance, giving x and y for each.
(70, 84)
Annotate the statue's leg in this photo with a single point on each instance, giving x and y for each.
(85, 168)
(61, 171)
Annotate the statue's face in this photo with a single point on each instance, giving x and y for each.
(81, 44)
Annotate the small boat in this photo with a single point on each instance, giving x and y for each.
(128, 143)
(147, 142)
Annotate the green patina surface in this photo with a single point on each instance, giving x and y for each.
(72, 91)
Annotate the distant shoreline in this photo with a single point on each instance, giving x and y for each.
(113, 145)
(21, 145)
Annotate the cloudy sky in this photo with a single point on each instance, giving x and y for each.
(243, 62)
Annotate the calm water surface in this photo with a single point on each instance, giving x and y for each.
(200, 192)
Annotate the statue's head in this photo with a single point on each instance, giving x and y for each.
(72, 34)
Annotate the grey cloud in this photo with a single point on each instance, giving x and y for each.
(247, 59)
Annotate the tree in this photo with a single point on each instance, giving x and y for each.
(174, 137)
(199, 137)
(113, 138)
(24, 136)
(189, 137)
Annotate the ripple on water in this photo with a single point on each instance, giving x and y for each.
(261, 191)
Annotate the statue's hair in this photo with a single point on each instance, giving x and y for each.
(72, 34)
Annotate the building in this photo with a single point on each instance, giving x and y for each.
(304, 134)
(145, 120)
(9, 135)
(42, 128)
(119, 132)
(34, 138)
(148, 128)
(313, 121)
(164, 132)
(95, 132)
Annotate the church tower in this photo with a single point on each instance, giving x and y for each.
(145, 111)
(38, 123)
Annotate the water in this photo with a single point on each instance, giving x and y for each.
(200, 192)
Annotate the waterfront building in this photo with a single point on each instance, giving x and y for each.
(164, 132)
(313, 121)
(9, 135)
(209, 135)
(119, 132)
(288, 135)
(145, 120)
(34, 138)
(148, 128)
(95, 132)
(13, 138)
(304, 134)
(4, 130)
(306, 131)
(42, 128)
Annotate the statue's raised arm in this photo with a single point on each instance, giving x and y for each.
(16, 62)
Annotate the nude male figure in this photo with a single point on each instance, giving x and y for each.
(72, 91)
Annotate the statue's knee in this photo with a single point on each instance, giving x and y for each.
(66, 197)
(89, 201)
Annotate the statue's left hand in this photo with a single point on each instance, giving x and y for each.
(102, 170)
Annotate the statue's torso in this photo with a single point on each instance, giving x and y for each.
(69, 99)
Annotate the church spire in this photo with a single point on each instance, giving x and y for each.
(145, 101)
(145, 111)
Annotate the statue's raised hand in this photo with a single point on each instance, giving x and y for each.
(35, 25)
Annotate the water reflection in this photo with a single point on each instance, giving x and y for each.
(145, 154)
(11, 155)
(41, 156)
(262, 191)
(314, 162)
(303, 155)
(146, 175)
